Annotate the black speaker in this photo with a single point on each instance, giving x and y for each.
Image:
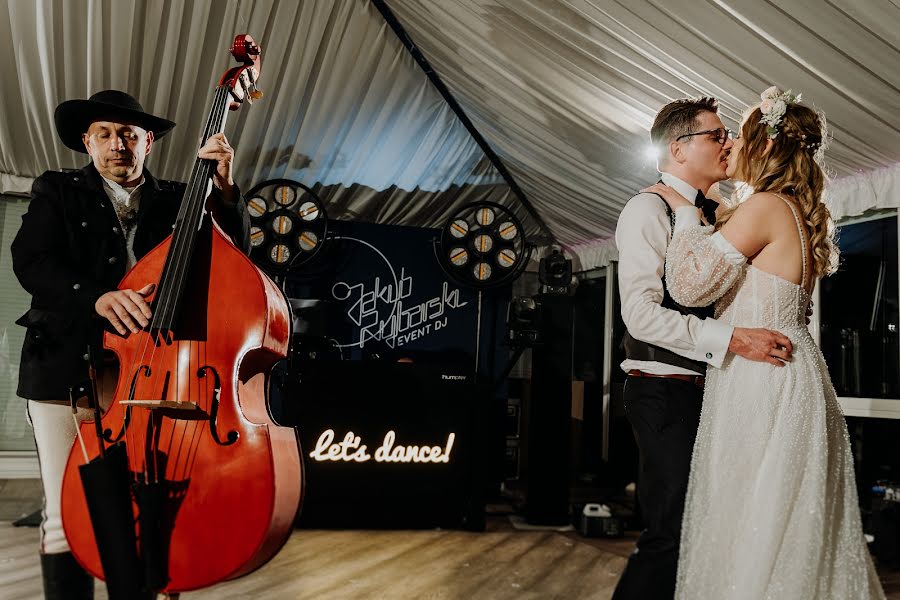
(549, 417)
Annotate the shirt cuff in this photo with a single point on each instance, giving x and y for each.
(686, 216)
(731, 254)
(713, 341)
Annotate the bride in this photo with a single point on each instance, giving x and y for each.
(771, 508)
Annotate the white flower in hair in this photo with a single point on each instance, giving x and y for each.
(773, 106)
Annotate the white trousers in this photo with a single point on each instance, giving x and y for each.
(54, 434)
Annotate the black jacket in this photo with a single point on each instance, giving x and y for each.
(70, 251)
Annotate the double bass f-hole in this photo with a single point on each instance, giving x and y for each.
(126, 420)
(232, 436)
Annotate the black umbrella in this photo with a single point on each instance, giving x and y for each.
(106, 480)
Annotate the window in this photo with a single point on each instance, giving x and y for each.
(15, 433)
(859, 313)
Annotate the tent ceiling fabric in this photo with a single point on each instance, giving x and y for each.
(563, 90)
(566, 90)
(345, 106)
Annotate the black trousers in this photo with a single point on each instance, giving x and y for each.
(664, 416)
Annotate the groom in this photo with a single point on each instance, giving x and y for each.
(668, 346)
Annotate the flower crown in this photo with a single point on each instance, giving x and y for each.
(773, 106)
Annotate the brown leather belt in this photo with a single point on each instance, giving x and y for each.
(695, 379)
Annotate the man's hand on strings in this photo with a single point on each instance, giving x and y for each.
(126, 310)
(217, 148)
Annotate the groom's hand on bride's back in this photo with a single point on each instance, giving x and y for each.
(763, 345)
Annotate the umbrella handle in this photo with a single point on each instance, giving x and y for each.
(80, 439)
(88, 390)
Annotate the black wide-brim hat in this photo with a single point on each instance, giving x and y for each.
(73, 117)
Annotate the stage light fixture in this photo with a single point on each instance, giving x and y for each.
(523, 322)
(482, 246)
(288, 225)
(555, 272)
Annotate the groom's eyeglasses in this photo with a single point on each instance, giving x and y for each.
(720, 135)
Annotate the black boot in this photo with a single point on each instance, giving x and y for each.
(64, 579)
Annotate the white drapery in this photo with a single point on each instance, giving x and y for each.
(852, 196)
(563, 90)
(566, 90)
(345, 105)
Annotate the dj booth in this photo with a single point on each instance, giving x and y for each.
(387, 444)
(380, 382)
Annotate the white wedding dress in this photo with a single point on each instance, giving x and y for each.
(771, 507)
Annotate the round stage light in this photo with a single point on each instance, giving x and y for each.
(307, 240)
(459, 256)
(285, 195)
(506, 258)
(508, 231)
(282, 224)
(485, 216)
(482, 246)
(483, 243)
(459, 229)
(308, 211)
(257, 206)
(257, 237)
(288, 225)
(482, 271)
(279, 254)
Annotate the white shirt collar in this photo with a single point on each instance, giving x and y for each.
(685, 189)
(121, 194)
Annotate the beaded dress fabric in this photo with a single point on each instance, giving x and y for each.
(771, 509)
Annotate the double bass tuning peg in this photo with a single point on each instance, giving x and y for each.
(254, 92)
(248, 85)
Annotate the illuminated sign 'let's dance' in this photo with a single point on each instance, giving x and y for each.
(351, 449)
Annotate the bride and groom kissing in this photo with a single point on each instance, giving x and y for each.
(746, 482)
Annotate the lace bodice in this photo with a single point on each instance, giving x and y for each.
(699, 273)
(760, 299)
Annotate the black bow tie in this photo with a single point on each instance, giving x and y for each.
(707, 207)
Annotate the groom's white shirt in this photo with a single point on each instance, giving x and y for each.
(642, 237)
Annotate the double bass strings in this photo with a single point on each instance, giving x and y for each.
(185, 244)
(172, 283)
(183, 237)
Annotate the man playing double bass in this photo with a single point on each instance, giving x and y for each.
(82, 232)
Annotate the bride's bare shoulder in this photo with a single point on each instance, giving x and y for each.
(763, 200)
(762, 206)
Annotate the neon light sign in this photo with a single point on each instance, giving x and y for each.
(351, 449)
(379, 312)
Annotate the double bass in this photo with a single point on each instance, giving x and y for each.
(221, 480)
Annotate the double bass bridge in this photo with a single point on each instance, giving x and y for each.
(187, 410)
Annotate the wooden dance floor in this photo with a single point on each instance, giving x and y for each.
(497, 564)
